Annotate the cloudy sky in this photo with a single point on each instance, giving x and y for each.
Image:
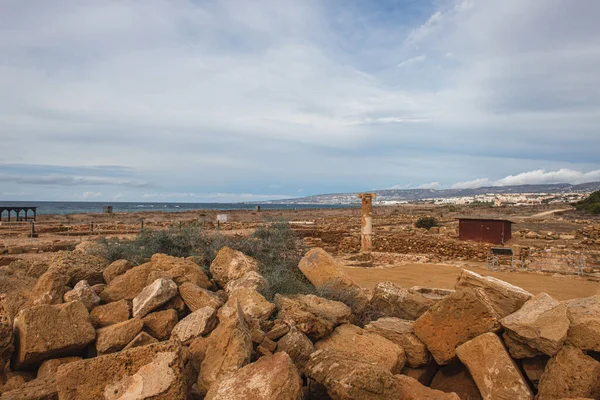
(235, 100)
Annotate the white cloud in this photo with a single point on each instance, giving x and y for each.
(89, 195)
(411, 61)
(539, 176)
(432, 185)
(475, 183)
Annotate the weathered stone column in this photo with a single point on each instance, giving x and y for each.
(366, 242)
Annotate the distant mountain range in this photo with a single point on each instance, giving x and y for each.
(420, 194)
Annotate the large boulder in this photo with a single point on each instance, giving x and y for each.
(155, 372)
(196, 297)
(250, 280)
(181, 270)
(78, 267)
(298, 346)
(343, 377)
(111, 313)
(253, 304)
(50, 331)
(6, 339)
(198, 323)
(569, 374)
(114, 337)
(153, 296)
(314, 316)
(84, 293)
(142, 339)
(391, 300)
(50, 288)
(455, 378)
(401, 332)
(456, 319)
(270, 378)
(492, 369)
(37, 389)
(584, 315)
(127, 285)
(116, 268)
(518, 349)
(231, 264)
(48, 368)
(365, 346)
(505, 298)
(160, 324)
(541, 323)
(228, 348)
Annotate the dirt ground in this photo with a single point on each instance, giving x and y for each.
(561, 287)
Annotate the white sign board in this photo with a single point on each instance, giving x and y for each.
(222, 217)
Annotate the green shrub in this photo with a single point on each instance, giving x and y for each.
(427, 222)
(590, 204)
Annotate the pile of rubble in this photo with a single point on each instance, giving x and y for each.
(168, 329)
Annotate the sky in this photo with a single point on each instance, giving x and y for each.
(237, 100)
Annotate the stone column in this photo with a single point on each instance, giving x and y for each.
(366, 242)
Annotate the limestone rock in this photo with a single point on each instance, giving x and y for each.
(455, 378)
(50, 331)
(343, 377)
(231, 264)
(78, 267)
(84, 293)
(154, 372)
(298, 346)
(228, 347)
(198, 323)
(110, 313)
(518, 349)
(37, 389)
(505, 298)
(181, 270)
(88, 247)
(314, 316)
(142, 339)
(196, 297)
(253, 303)
(153, 296)
(422, 374)
(48, 368)
(14, 380)
(534, 368)
(570, 373)
(6, 338)
(391, 300)
(270, 378)
(365, 346)
(127, 285)
(492, 369)
(584, 315)
(160, 324)
(541, 323)
(401, 332)
(117, 268)
(250, 280)
(455, 320)
(115, 337)
(49, 288)
(278, 330)
(98, 288)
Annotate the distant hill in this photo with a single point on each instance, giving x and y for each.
(420, 194)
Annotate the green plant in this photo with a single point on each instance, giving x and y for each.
(427, 222)
(591, 204)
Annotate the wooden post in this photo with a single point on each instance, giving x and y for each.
(142, 225)
(92, 227)
(32, 229)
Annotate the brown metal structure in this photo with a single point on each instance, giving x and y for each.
(18, 210)
(496, 231)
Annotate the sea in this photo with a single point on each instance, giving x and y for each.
(86, 207)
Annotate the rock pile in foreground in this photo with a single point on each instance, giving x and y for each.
(167, 329)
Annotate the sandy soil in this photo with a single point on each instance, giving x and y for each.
(444, 276)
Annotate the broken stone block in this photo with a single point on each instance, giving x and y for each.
(584, 315)
(278, 330)
(314, 316)
(196, 297)
(198, 323)
(14, 380)
(344, 377)
(127, 285)
(49, 288)
(365, 346)
(153, 296)
(6, 337)
(570, 373)
(518, 349)
(422, 374)
(114, 337)
(391, 300)
(228, 348)
(298, 346)
(455, 378)
(541, 323)
(456, 319)
(78, 267)
(37, 389)
(51, 331)
(48, 368)
(534, 368)
(160, 324)
(253, 304)
(84, 293)
(154, 372)
(231, 264)
(181, 270)
(269, 344)
(111, 313)
(250, 280)
(270, 378)
(505, 298)
(115, 269)
(142, 339)
(492, 369)
(401, 332)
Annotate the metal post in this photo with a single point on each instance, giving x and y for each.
(92, 227)
(142, 225)
(32, 229)
(366, 242)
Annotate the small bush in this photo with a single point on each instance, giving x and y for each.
(427, 222)
(591, 204)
